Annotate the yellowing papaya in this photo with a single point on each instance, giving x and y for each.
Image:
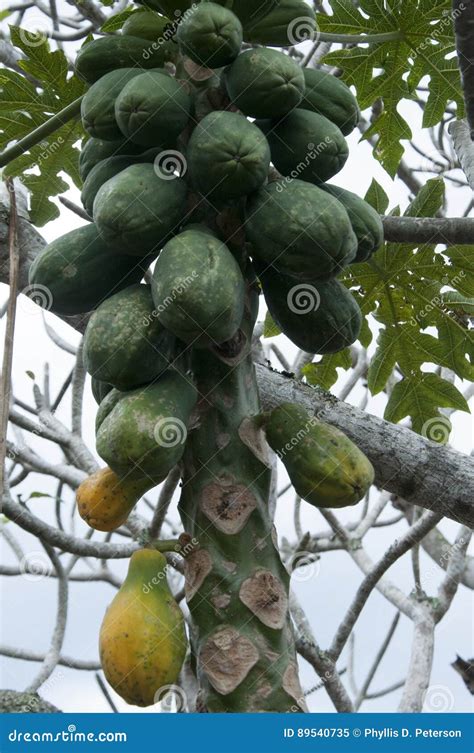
(324, 465)
(143, 639)
(104, 501)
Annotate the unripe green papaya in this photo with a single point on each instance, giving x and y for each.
(318, 317)
(98, 105)
(77, 271)
(198, 289)
(146, 24)
(138, 210)
(125, 344)
(264, 83)
(97, 150)
(228, 156)
(145, 430)
(365, 221)
(290, 22)
(324, 465)
(153, 109)
(104, 501)
(100, 390)
(306, 145)
(249, 11)
(143, 641)
(329, 96)
(100, 56)
(211, 35)
(300, 230)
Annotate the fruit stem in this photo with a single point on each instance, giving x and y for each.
(51, 125)
(171, 545)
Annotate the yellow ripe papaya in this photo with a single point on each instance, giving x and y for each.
(105, 501)
(324, 465)
(143, 639)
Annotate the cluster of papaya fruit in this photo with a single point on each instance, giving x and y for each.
(152, 94)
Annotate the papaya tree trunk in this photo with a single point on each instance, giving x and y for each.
(236, 584)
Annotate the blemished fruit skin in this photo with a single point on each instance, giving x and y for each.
(227, 156)
(207, 303)
(104, 501)
(100, 390)
(290, 22)
(295, 229)
(146, 24)
(211, 35)
(98, 105)
(142, 641)
(77, 271)
(145, 430)
(125, 344)
(319, 317)
(331, 97)
(324, 465)
(97, 150)
(100, 56)
(138, 210)
(153, 109)
(264, 83)
(365, 220)
(306, 145)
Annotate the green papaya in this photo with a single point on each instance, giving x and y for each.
(198, 289)
(77, 271)
(227, 156)
(145, 431)
(306, 146)
(324, 465)
(125, 344)
(329, 96)
(211, 35)
(248, 11)
(100, 390)
(153, 109)
(300, 230)
(264, 83)
(319, 317)
(107, 169)
(100, 56)
(106, 406)
(98, 105)
(96, 150)
(365, 221)
(143, 641)
(290, 22)
(146, 24)
(138, 210)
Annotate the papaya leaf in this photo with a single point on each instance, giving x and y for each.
(324, 372)
(422, 46)
(116, 21)
(376, 197)
(270, 329)
(25, 106)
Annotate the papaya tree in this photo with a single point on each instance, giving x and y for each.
(205, 139)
